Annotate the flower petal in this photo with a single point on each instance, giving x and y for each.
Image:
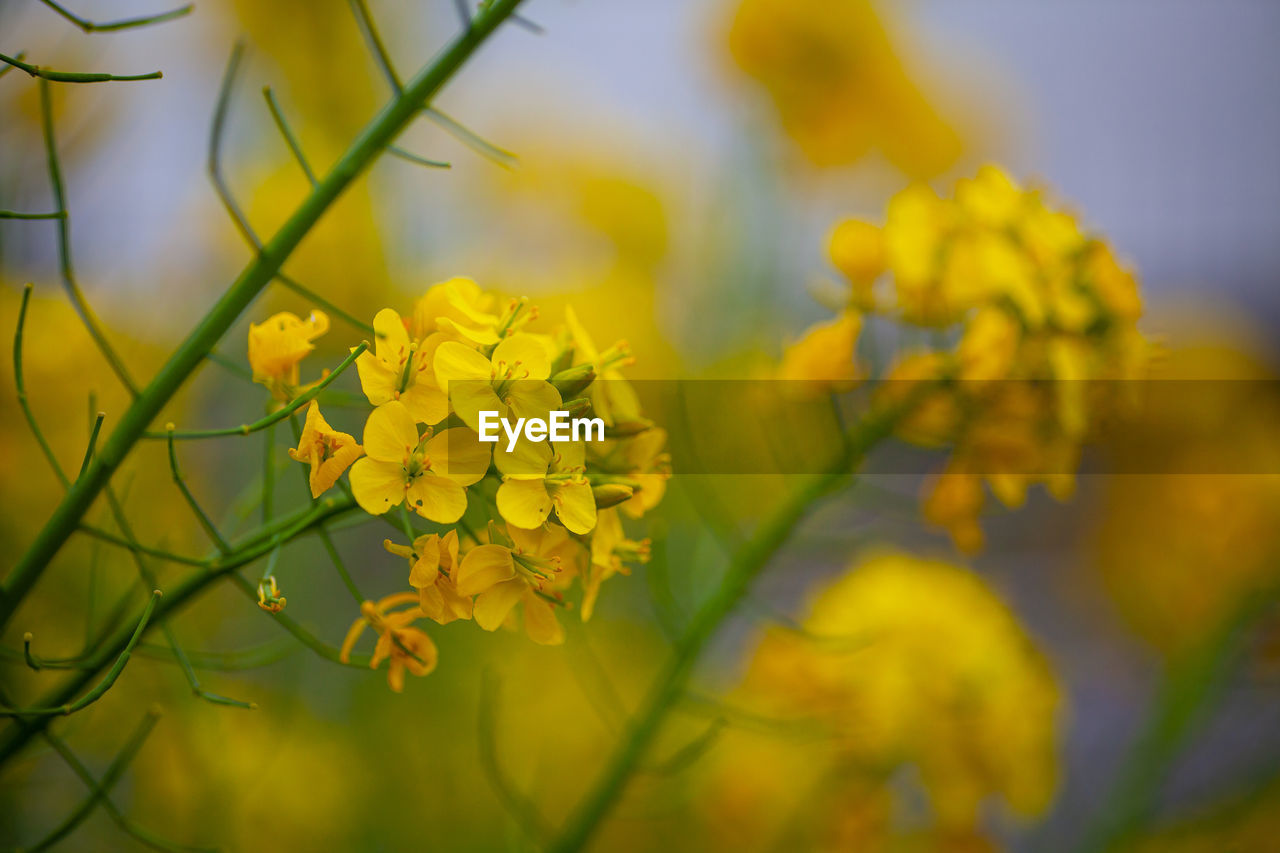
(390, 433)
(525, 503)
(377, 379)
(437, 498)
(426, 402)
(377, 486)
(525, 355)
(494, 604)
(459, 455)
(483, 567)
(575, 505)
(391, 338)
(540, 621)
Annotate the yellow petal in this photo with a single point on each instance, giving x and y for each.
(391, 338)
(427, 403)
(459, 455)
(324, 475)
(426, 569)
(456, 362)
(483, 567)
(575, 505)
(377, 486)
(532, 398)
(524, 355)
(377, 379)
(390, 433)
(525, 503)
(540, 621)
(437, 498)
(527, 459)
(493, 605)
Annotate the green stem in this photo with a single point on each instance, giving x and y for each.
(292, 141)
(75, 76)
(104, 685)
(93, 441)
(252, 548)
(123, 24)
(196, 509)
(670, 686)
(272, 419)
(78, 301)
(20, 383)
(16, 214)
(1191, 686)
(101, 790)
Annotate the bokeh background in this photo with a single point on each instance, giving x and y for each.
(661, 190)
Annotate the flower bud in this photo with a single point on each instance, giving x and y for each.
(574, 380)
(611, 494)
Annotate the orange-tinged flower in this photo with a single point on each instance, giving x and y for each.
(328, 451)
(277, 345)
(407, 648)
(822, 361)
(501, 577)
(433, 562)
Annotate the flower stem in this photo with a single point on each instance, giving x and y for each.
(747, 563)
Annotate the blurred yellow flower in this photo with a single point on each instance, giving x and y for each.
(328, 451)
(838, 84)
(457, 307)
(857, 249)
(916, 662)
(430, 471)
(407, 647)
(277, 345)
(611, 551)
(822, 361)
(400, 369)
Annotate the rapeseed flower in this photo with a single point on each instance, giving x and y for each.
(399, 369)
(277, 345)
(407, 648)
(328, 451)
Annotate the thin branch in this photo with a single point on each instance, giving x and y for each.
(93, 442)
(687, 755)
(192, 680)
(104, 685)
(101, 790)
(301, 634)
(469, 138)
(20, 384)
(273, 418)
(205, 522)
(287, 133)
(78, 300)
(397, 151)
(214, 162)
(76, 76)
(14, 214)
(159, 554)
(123, 24)
(22, 54)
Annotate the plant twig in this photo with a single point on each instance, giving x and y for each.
(123, 24)
(104, 685)
(292, 141)
(77, 297)
(76, 76)
(196, 509)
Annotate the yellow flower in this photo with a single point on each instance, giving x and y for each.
(857, 250)
(407, 647)
(430, 471)
(538, 477)
(822, 361)
(433, 561)
(328, 451)
(612, 397)
(954, 502)
(276, 347)
(838, 85)
(911, 662)
(501, 577)
(511, 382)
(400, 369)
(457, 307)
(269, 597)
(611, 550)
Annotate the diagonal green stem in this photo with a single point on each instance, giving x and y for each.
(124, 24)
(746, 565)
(372, 141)
(76, 76)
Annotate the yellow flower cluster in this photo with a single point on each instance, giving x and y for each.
(905, 662)
(516, 527)
(838, 84)
(1037, 317)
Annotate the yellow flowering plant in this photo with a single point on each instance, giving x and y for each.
(906, 706)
